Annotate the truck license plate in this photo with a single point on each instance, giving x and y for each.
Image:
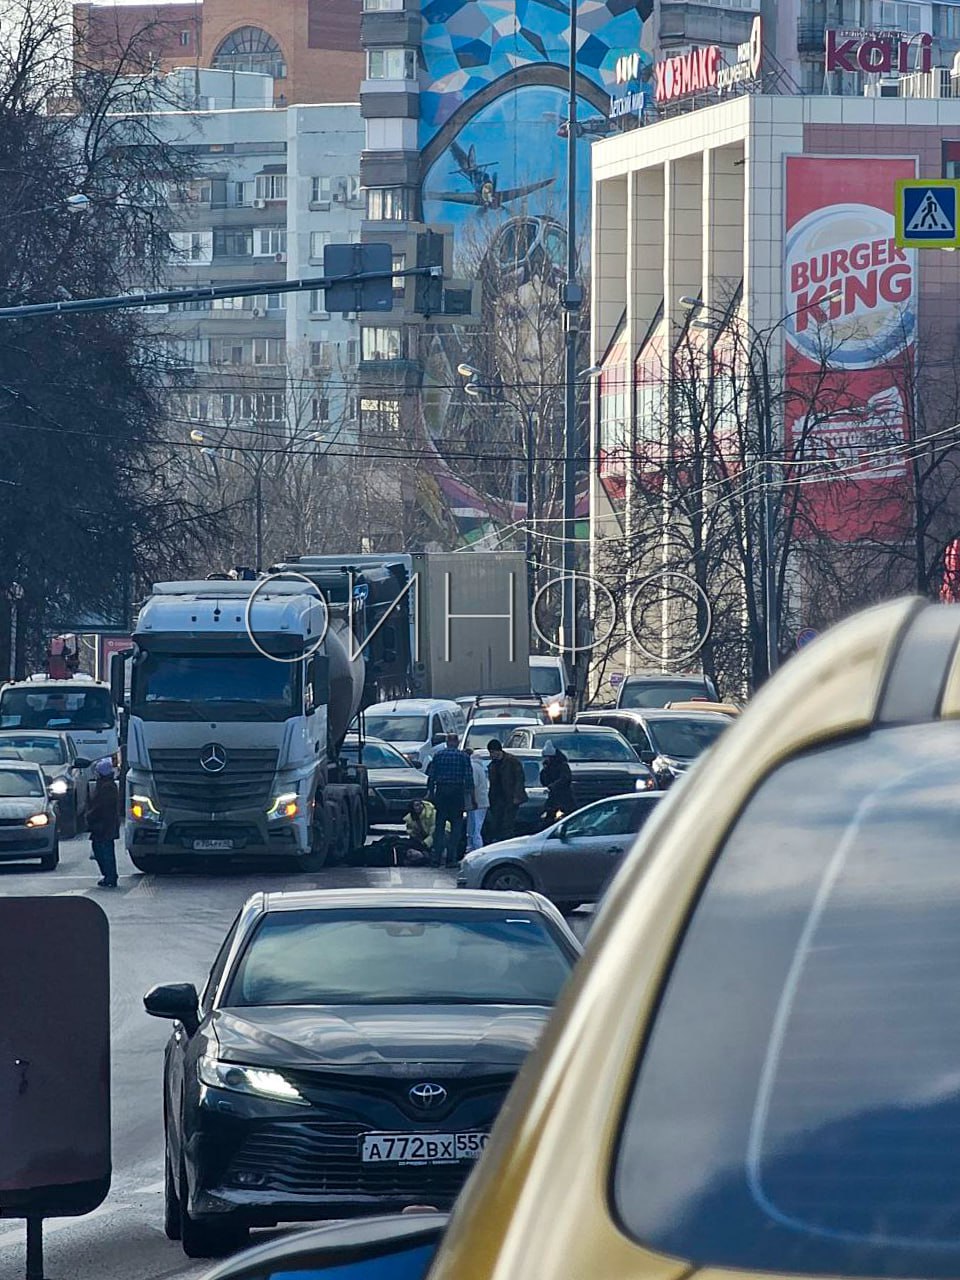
(202, 846)
(421, 1148)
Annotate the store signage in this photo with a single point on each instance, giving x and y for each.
(633, 97)
(702, 69)
(878, 52)
(749, 61)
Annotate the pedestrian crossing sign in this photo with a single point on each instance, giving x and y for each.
(927, 211)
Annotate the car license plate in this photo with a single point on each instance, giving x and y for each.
(421, 1148)
(201, 846)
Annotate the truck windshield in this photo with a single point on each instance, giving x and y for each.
(545, 681)
(236, 686)
(397, 728)
(59, 707)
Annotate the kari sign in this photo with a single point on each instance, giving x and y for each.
(850, 292)
(878, 52)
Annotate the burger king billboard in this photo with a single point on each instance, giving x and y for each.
(851, 298)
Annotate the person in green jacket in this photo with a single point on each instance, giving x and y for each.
(420, 824)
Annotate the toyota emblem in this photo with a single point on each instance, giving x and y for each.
(428, 1096)
(213, 758)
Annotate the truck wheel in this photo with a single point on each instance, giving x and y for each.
(358, 824)
(340, 831)
(317, 856)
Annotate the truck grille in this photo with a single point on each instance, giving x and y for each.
(323, 1159)
(246, 780)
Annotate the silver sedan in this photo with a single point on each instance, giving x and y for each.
(570, 862)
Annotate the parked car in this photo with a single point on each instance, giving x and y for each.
(28, 818)
(571, 861)
(393, 781)
(657, 688)
(668, 741)
(752, 1072)
(480, 732)
(349, 1053)
(602, 763)
(67, 773)
(415, 726)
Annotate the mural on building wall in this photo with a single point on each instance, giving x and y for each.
(493, 139)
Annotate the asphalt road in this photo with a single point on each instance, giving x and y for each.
(163, 929)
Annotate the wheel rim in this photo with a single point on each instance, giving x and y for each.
(510, 881)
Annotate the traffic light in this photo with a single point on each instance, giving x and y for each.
(351, 260)
(428, 290)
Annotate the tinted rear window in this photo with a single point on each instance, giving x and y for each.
(798, 1106)
(657, 693)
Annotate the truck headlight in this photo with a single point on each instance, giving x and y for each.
(59, 787)
(260, 1081)
(142, 809)
(284, 806)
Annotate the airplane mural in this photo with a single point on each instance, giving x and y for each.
(483, 179)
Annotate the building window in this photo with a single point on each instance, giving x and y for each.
(378, 6)
(399, 282)
(197, 191)
(198, 408)
(320, 190)
(243, 194)
(251, 49)
(265, 406)
(391, 64)
(348, 189)
(378, 343)
(318, 242)
(271, 241)
(228, 351)
(321, 355)
(192, 246)
(946, 21)
(379, 417)
(897, 17)
(233, 242)
(271, 351)
(271, 186)
(184, 39)
(388, 204)
(319, 409)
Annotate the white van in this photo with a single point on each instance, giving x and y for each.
(80, 706)
(415, 726)
(550, 680)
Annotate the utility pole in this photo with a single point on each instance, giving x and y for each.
(571, 300)
(259, 515)
(528, 539)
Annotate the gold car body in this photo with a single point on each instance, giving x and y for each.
(538, 1206)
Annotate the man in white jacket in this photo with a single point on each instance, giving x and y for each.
(481, 791)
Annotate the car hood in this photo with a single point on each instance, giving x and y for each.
(388, 1037)
(397, 777)
(21, 808)
(606, 768)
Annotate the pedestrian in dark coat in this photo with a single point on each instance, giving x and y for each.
(103, 822)
(556, 776)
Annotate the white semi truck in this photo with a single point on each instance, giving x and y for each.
(234, 720)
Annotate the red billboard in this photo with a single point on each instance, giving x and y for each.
(851, 332)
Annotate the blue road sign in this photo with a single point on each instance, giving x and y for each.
(805, 637)
(927, 213)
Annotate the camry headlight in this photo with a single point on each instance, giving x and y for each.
(260, 1081)
(38, 820)
(142, 809)
(59, 787)
(554, 710)
(284, 806)
(645, 784)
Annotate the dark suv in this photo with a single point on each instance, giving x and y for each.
(668, 741)
(602, 762)
(658, 688)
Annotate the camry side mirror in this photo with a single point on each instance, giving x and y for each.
(400, 1246)
(175, 1000)
(81, 763)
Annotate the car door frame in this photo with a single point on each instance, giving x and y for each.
(587, 853)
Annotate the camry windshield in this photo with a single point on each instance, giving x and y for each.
(685, 739)
(41, 750)
(657, 693)
(217, 686)
(545, 681)
(397, 728)
(385, 956)
(20, 784)
(588, 746)
(64, 707)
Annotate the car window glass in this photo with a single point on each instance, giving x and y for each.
(686, 739)
(216, 972)
(797, 1106)
(385, 957)
(601, 746)
(400, 728)
(607, 819)
(21, 784)
(378, 756)
(40, 749)
(657, 693)
(634, 733)
(641, 810)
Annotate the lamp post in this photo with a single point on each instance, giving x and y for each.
(760, 343)
(571, 298)
(15, 594)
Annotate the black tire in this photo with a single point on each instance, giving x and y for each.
(51, 861)
(148, 863)
(209, 1237)
(172, 1224)
(508, 878)
(358, 823)
(340, 831)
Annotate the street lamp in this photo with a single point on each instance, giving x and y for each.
(767, 520)
(15, 594)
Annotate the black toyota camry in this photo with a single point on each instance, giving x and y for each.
(348, 1054)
